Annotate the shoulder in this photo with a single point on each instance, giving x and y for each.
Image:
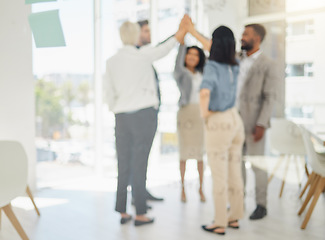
(211, 70)
(212, 65)
(111, 60)
(266, 60)
(147, 47)
(216, 66)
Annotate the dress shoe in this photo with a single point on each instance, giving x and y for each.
(125, 219)
(152, 198)
(140, 223)
(149, 207)
(259, 213)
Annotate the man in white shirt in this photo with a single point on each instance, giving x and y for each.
(256, 94)
(145, 39)
(132, 96)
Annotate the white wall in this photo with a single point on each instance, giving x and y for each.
(230, 13)
(16, 79)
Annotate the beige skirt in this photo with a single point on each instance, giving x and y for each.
(190, 131)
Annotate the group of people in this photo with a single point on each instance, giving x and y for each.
(225, 107)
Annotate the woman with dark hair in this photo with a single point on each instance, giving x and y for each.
(188, 75)
(224, 131)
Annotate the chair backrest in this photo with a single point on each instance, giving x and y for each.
(315, 160)
(13, 171)
(285, 137)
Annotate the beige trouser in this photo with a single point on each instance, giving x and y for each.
(224, 142)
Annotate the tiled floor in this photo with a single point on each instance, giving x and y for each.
(82, 209)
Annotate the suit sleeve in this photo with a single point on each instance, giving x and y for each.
(269, 95)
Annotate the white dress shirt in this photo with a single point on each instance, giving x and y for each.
(196, 83)
(244, 67)
(130, 77)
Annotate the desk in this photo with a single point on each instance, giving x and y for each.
(318, 132)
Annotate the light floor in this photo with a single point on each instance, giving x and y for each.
(82, 209)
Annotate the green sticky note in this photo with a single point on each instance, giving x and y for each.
(47, 29)
(37, 1)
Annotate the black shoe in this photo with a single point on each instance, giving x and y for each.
(230, 224)
(139, 223)
(152, 198)
(204, 227)
(125, 220)
(259, 213)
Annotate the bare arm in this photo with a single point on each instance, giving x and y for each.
(204, 103)
(182, 30)
(191, 29)
(206, 43)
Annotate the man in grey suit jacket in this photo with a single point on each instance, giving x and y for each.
(256, 94)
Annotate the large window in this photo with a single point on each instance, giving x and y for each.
(300, 70)
(300, 28)
(304, 65)
(64, 96)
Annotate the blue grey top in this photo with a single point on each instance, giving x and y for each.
(221, 80)
(183, 77)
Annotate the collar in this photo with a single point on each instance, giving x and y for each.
(254, 56)
(128, 48)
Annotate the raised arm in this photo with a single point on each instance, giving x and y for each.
(206, 43)
(180, 59)
(180, 69)
(161, 50)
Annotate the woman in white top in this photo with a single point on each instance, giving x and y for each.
(132, 96)
(188, 75)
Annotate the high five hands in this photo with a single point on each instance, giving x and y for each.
(187, 26)
(183, 28)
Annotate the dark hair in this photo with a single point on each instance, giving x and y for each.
(223, 48)
(200, 65)
(259, 29)
(143, 22)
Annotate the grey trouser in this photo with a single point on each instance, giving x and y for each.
(252, 148)
(134, 134)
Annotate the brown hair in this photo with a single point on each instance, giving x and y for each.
(259, 29)
(143, 22)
